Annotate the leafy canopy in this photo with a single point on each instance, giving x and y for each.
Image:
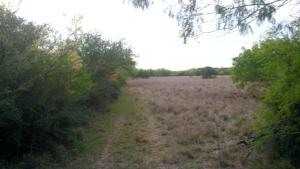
(228, 15)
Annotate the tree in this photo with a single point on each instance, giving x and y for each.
(40, 89)
(208, 72)
(274, 65)
(231, 15)
(46, 87)
(110, 64)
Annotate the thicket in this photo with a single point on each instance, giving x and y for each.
(205, 72)
(49, 86)
(273, 66)
(154, 72)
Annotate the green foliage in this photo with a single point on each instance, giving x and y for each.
(232, 15)
(274, 64)
(110, 64)
(223, 71)
(46, 93)
(206, 72)
(153, 73)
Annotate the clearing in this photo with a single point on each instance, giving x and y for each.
(177, 122)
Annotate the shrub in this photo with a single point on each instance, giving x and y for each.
(208, 72)
(274, 64)
(46, 88)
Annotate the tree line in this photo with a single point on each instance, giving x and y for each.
(205, 72)
(50, 86)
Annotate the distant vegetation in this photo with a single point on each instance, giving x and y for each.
(205, 72)
(50, 86)
(273, 67)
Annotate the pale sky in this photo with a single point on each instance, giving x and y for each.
(152, 35)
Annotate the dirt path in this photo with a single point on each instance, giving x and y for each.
(106, 159)
(130, 145)
(180, 122)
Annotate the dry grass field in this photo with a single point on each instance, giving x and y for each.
(181, 123)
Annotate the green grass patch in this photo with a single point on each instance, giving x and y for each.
(131, 146)
(96, 134)
(122, 132)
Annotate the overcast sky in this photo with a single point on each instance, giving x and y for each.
(152, 35)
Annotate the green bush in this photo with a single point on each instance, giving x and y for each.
(274, 64)
(48, 89)
(152, 73)
(208, 72)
